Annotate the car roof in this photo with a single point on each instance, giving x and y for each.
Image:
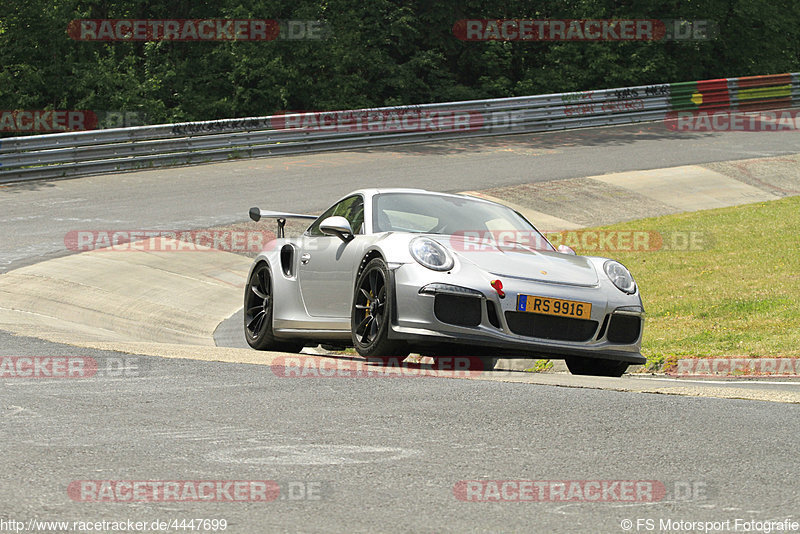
(370, 192)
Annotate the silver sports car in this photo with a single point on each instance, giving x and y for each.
(394, 271)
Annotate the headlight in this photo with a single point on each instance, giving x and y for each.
(430, 254)
(620, 276)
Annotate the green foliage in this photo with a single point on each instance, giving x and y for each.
(384, 52)
(540, 366)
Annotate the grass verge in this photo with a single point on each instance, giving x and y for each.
(736, 294)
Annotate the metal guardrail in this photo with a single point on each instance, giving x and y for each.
(99, 151)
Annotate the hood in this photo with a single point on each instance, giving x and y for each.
(519, 261)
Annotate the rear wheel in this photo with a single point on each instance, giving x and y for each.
(369, 319)
(597, 367)
(258, 313)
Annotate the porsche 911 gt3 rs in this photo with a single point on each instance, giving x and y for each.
(391, 271)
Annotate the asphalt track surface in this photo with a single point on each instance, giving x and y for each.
(35, 216)
(382, 454)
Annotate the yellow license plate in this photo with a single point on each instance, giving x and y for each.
(551, 306)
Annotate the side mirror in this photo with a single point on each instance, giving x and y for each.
(564, 249)
(337, 226)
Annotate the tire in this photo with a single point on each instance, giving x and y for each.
(596, 367)
(258, 313)
(488, 362)
(371, 313)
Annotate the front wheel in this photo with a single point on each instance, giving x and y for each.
(594, 366)
(369, 318)
(258, 304)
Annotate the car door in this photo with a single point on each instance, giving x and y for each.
(327, 263)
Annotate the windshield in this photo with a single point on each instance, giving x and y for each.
(457, 216)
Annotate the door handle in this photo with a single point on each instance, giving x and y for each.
(305, 257)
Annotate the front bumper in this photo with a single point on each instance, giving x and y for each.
(415, 320)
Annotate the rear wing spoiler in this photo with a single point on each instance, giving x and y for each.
(257, 214)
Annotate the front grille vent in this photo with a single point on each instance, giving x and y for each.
(550, 326)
